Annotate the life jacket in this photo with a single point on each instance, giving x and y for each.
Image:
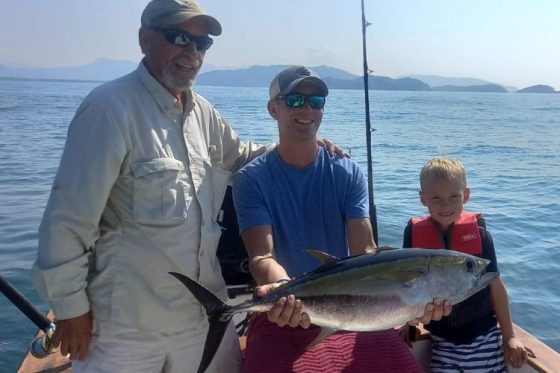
(475, 315)
(464, 235)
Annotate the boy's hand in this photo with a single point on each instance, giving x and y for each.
(433, 311)
(286, 311)
(515, 353)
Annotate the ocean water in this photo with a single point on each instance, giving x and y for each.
(510, 144)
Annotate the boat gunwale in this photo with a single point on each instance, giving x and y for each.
(546, 359)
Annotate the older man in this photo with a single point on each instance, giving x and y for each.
(137, 192)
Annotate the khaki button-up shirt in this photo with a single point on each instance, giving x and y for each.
(136, 195)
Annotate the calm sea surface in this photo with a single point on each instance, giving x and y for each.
(510, 144)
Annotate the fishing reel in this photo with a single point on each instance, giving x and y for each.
(42, 346)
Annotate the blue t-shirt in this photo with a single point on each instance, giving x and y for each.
(306, 208)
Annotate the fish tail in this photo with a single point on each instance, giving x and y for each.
(218, 318)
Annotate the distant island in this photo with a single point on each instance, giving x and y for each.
(471, 88)
(440, 81)
(260, 76)
(538, 89)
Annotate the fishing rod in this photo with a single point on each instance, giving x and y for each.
(372, 207)
(40, 346)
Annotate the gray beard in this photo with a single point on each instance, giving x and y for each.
(176, 83)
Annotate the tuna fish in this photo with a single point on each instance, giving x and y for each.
(360, 293)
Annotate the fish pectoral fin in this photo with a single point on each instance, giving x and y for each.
(324, 334)
(410, 277)
(406, 278)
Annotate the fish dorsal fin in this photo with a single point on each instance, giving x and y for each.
(322, 256)
(325, 332)
(384, 248)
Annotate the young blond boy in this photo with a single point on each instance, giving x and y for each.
(468, 340)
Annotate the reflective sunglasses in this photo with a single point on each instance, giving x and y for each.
(182, 38)
(297, 101)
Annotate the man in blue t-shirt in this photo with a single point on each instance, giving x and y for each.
(299, 197)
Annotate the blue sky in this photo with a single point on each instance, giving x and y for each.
(512, 42)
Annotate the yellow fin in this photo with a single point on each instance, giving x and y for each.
(404, 277)
(324, 334)
(321, 256)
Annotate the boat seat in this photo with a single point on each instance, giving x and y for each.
(231, 250)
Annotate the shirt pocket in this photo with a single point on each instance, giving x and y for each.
(159, 192)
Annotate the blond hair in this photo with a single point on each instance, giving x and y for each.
(443, 168)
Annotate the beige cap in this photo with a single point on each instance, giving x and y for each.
(164, 13)
(287, 80)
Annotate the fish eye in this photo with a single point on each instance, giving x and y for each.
(470, 265)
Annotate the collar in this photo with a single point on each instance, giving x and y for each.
(164, 99)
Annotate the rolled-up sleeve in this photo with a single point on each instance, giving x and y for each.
(236, 153)
(91, 162)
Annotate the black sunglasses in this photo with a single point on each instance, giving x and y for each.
(182, 38)
(297, 101)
